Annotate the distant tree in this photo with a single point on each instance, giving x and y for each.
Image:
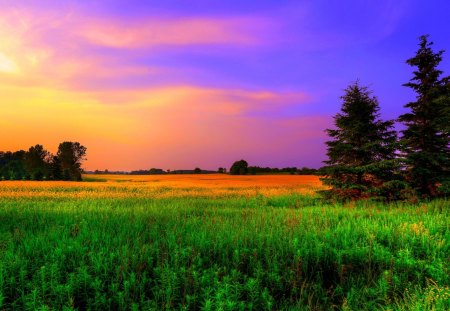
(155, 171)
(221, 170)
(66, 175)
(12, 165)
(307, 171)
(425, 141)
(5, 158)
(56, 169)
(17, 166)
(361, 154)
(239, 168)
(197, 170)
(71, 155)
(37, 162)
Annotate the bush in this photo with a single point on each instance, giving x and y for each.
(394, 190)
(444, 188)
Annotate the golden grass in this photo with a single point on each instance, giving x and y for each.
(162, 186)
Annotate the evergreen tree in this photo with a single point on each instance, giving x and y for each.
(361, 155)
(425, 141)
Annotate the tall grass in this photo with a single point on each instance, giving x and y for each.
(261, 252)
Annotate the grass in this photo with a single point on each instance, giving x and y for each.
(216, 242)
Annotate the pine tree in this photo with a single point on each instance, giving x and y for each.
(362, 150)
(425, 141)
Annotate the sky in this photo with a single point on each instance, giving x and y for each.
(201, 83)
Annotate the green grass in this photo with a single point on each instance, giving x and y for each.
(282, 253)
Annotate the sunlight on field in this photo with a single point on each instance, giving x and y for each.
(164, 186)
(216, 242)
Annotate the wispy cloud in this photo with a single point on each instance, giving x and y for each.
(174, 32)
(200, 121)
(69, 48)
(66, 74)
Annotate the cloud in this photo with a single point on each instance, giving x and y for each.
(179, 32)
(187, 126)
(70, 49)
(7, 65)
(178, 126)
(65, 75)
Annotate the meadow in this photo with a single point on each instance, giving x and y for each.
(216, 242)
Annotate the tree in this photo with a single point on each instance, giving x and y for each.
(155, 171)
(239, 168)
(71, 155)
(425, 141)
(55, 169)
(361, 154)
(12, 165)
(197, 170)
(37, 162)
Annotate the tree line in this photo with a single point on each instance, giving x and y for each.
(39, 164)
(241, 167)
(250, 170)
(367, 157)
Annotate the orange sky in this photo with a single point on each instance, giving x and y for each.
(67, 75)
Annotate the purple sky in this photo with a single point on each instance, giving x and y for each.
(179, 84)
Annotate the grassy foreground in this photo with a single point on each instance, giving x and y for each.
(216, 243)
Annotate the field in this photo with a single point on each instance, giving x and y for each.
(216, 242)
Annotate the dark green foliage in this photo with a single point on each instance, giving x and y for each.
(197, 170)
(38, 164)
(253, 170)
(444, 188)
(71, 155)
(55, 168)
(12, 165)
(394, 190)
(426, 139)
(362, 150)
(152, 171)
(239, 168)
(307, 171)
(66, 174)
(155, 171)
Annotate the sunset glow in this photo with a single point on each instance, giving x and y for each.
(164, 84)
